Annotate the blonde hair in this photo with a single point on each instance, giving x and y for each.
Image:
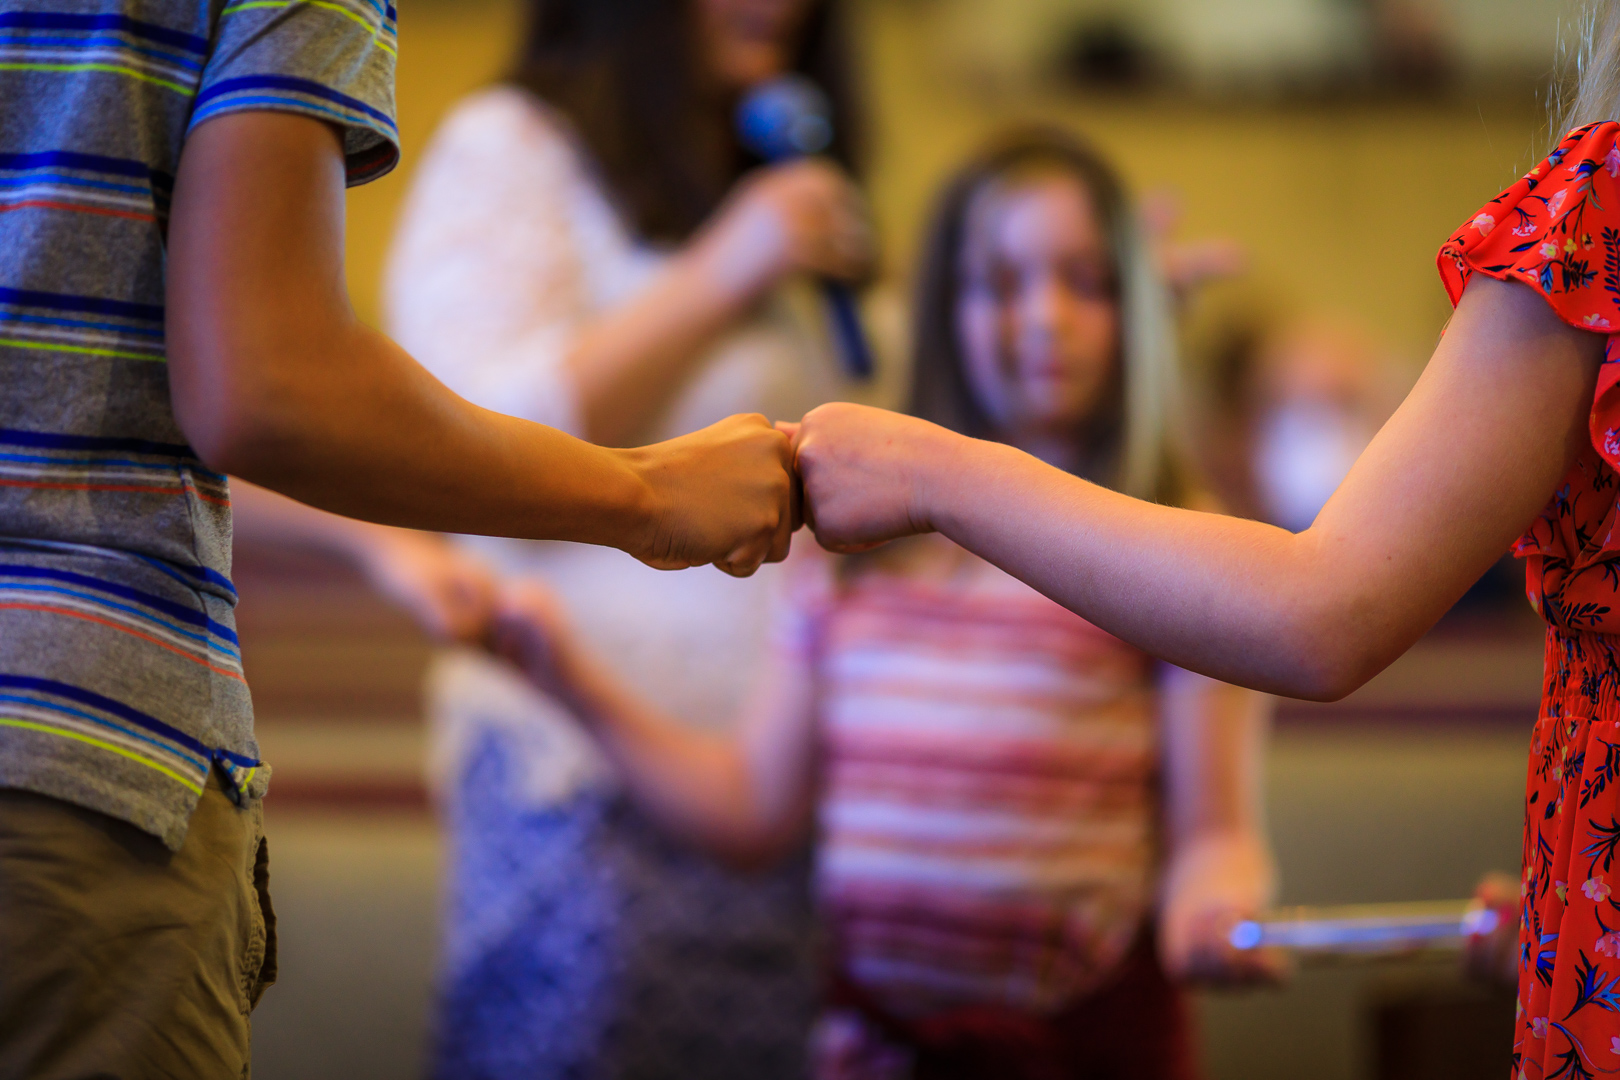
(1596, 71)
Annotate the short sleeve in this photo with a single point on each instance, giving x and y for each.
(332, 60)
(1558, 231)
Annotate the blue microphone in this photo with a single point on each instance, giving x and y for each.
(789, 117)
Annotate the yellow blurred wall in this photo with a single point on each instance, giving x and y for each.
(1342, 207)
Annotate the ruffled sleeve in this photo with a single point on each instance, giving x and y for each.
(1558, 231)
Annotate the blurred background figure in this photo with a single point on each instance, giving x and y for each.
(589, 245)
(1290, 407)
(1317, 407)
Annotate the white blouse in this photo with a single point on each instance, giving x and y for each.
(507, 246)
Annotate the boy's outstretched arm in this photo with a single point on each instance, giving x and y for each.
(274, 379)
(1491, 429)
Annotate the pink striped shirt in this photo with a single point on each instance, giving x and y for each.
(989, 817)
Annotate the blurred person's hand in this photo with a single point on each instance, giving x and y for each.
(1494, 956)
(723, 495)
(1186, 265)
(804, 216)
(1210, 886)
(449, 593)
(529, 629)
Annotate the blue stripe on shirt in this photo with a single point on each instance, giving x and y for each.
(80, 324)
(71, 181)
(68, 710)
(200, 573)
(50, 440)
(69, 159)
(93, 42)
(57, 20)
(109, 605)
(117, 708)
(189, 616)
(124, 712)
(88, 463)
(94, 305)
(295, 85)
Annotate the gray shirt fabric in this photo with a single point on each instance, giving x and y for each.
(121, 682)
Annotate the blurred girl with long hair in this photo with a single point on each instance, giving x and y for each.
(1025, 827)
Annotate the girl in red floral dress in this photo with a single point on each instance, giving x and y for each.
(1513, 430)
(1558, 231)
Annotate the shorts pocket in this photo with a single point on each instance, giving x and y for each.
(259, 961)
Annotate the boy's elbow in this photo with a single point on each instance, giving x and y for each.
(234, 434)
(235, 417)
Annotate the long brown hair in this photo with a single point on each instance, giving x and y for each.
(626, 75)
(1125, 445)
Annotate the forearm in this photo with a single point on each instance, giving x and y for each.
(1214, 737)
(274, 379)
(1236, 600)
(1218, 864)
(347, 433)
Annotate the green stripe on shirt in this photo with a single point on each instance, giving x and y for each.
(115, 69)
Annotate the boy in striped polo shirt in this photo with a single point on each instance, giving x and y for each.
(172, 309)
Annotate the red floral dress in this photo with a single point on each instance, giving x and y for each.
(1558, 231)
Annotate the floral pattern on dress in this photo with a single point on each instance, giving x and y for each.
(1558, 231)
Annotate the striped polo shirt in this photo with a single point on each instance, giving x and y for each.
(121, 684)
(989, 815)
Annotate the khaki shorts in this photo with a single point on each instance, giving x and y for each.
(121, 959)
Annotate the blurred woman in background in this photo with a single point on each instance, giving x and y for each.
(587, 244)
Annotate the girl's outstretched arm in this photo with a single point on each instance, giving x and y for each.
(743, 797)
(1466, 463)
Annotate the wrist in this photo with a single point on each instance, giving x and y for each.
(639, 504)
(1233, 864)
(941, 480)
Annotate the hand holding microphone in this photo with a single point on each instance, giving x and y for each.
(798, 217)
(787, 121)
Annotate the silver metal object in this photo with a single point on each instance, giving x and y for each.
(1367, 929)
